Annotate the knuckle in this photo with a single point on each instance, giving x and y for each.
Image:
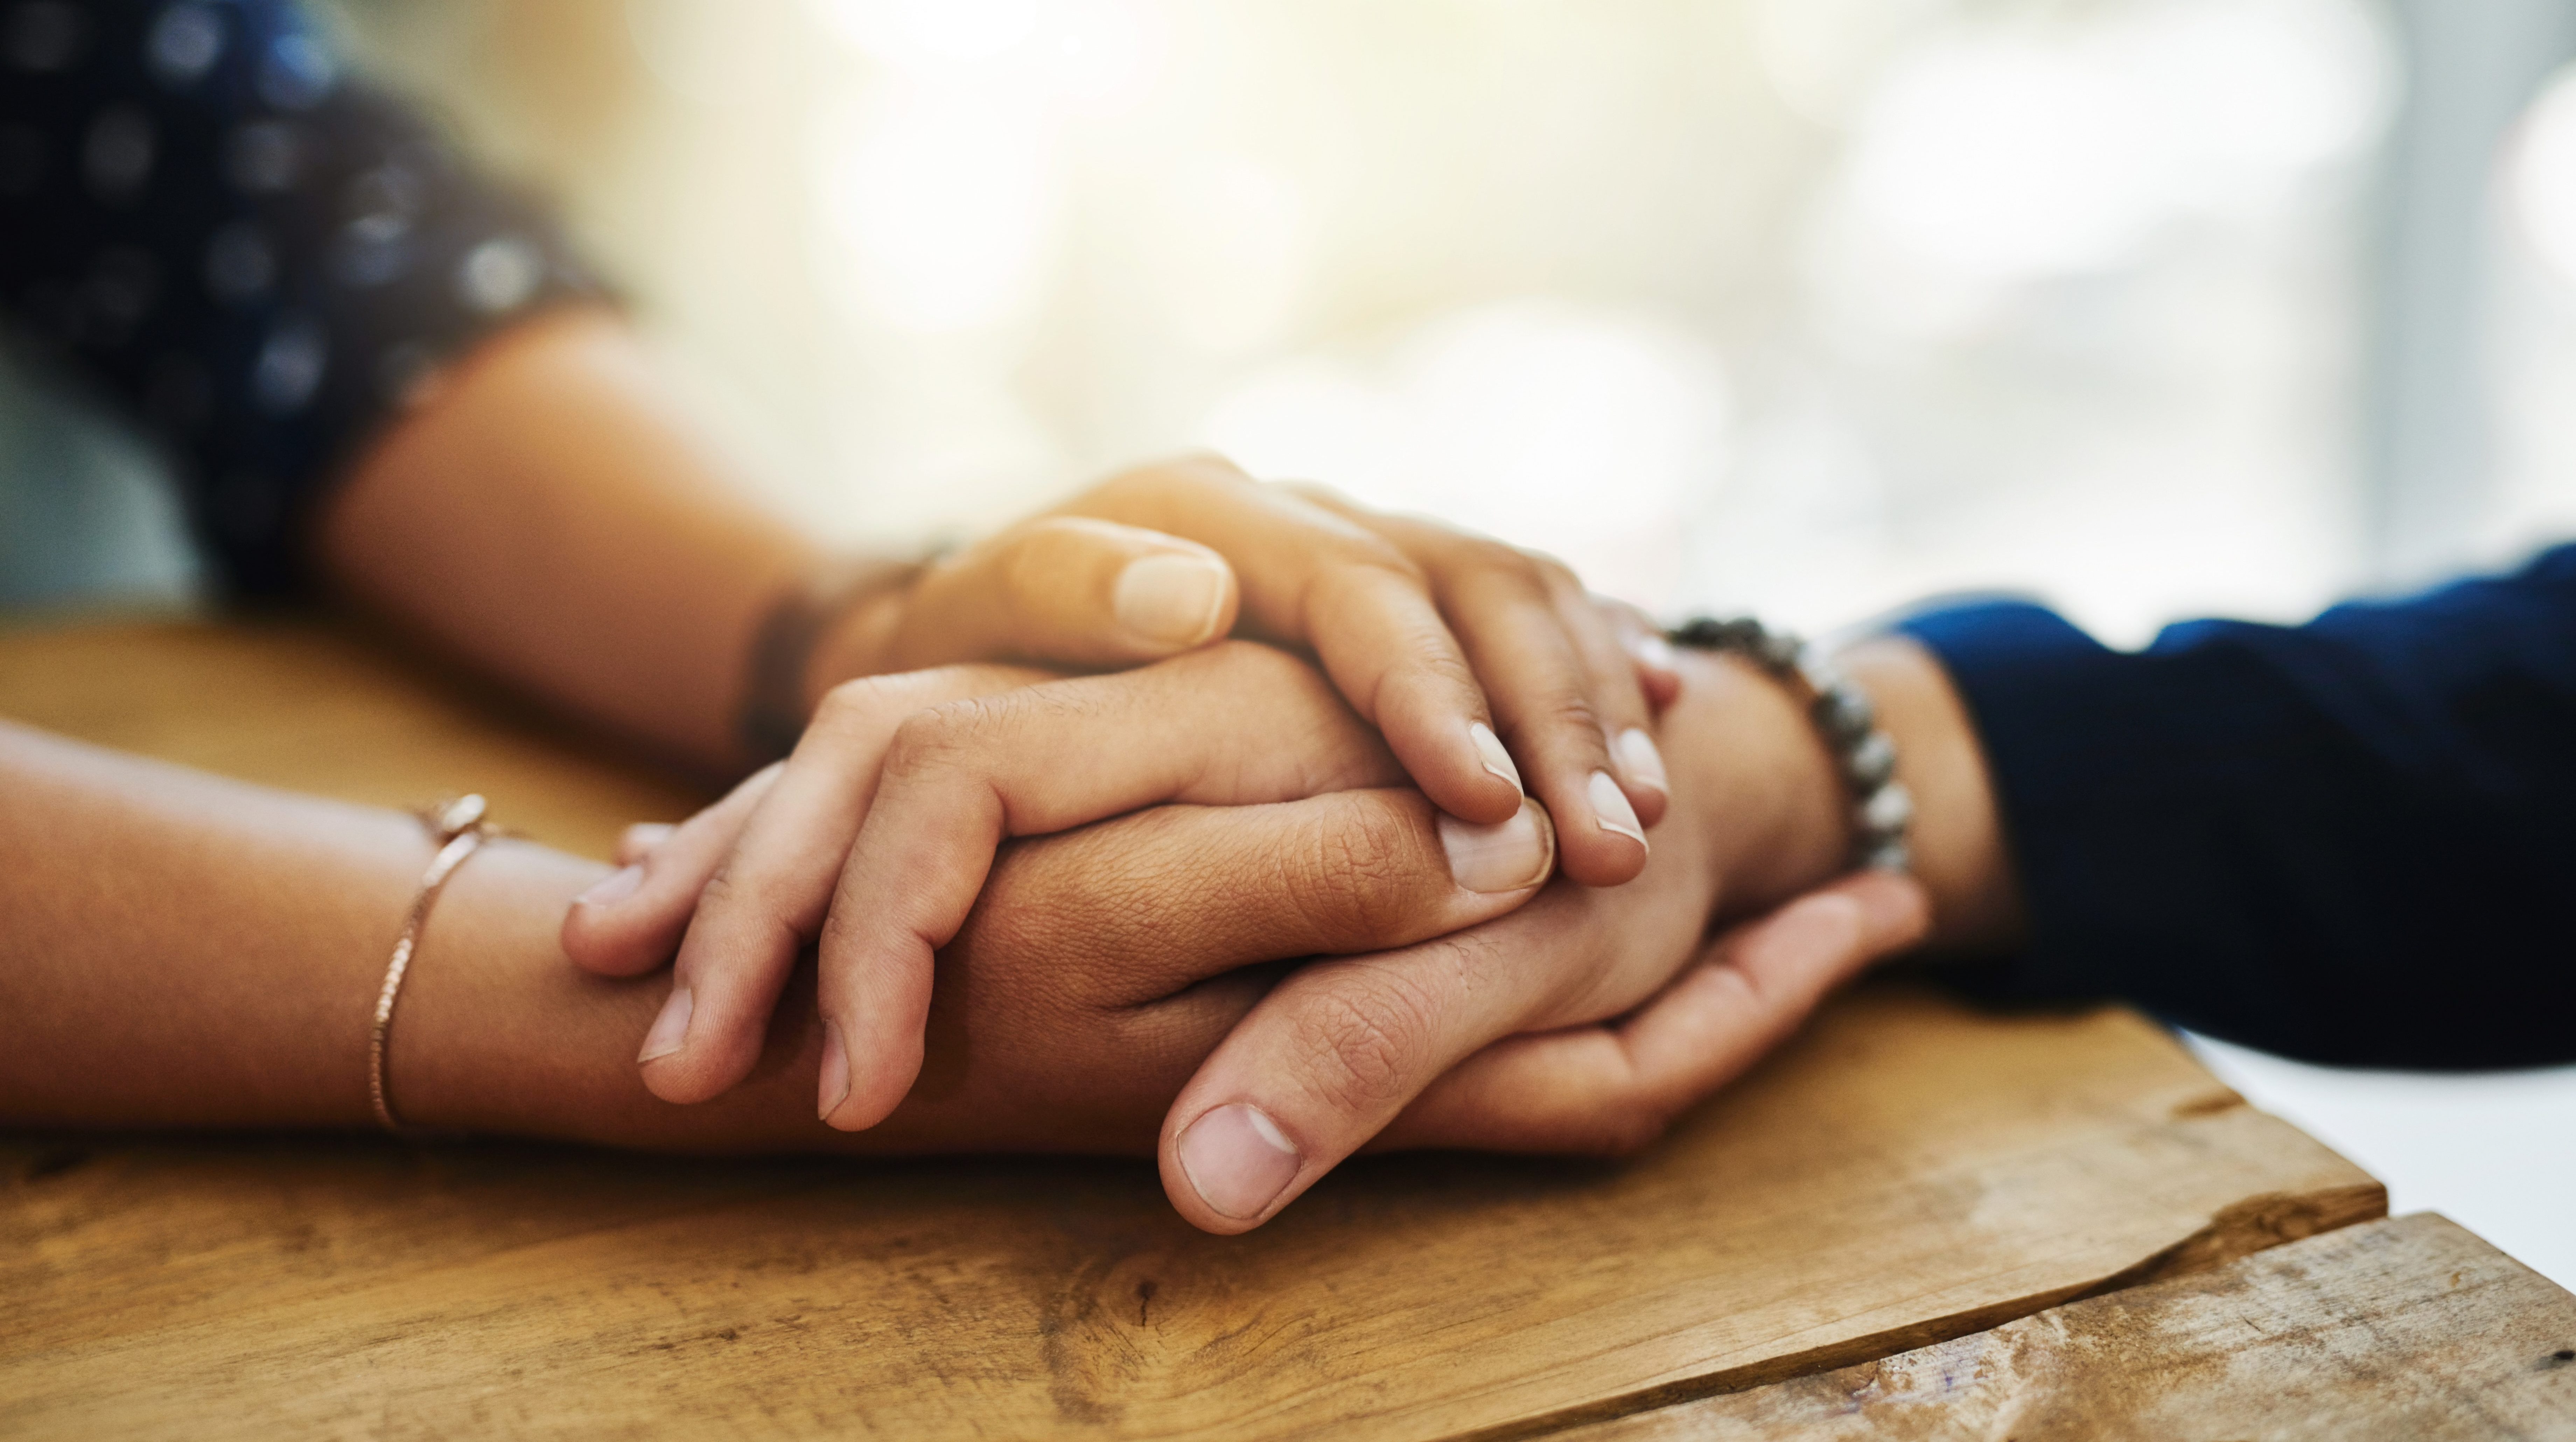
(878, 705)
(1557, 576)
(1503, 562)
(1363, 1037)
(1569, 711)
(838, 932)
(1351, 884)
(854, 704)
(723, 891)
(941, 738)
(1369, 560)
(755, 921)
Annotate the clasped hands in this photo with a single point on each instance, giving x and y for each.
(1253, 913)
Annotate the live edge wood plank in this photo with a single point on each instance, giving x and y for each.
(1907, 1172)
(2408, 1329)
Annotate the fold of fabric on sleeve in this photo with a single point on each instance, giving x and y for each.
(251, 254)
(2349, 841)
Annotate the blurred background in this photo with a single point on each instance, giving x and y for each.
(2150, 307)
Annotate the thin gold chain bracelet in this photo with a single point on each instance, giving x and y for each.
(458, 829)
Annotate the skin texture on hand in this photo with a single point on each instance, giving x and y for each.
(875, 838)
(1488, 669)
(1341, 1047)
(1315, 1062)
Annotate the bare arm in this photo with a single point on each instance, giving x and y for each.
(182, 950)
(550, 514)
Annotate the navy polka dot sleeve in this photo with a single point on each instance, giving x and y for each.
(255, 257)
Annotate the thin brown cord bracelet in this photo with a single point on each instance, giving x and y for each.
(459, 830)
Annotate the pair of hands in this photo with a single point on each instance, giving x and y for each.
(1466, 1000)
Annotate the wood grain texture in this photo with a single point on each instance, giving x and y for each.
(1907, 1172)
(317, 709)
(2408, 1329)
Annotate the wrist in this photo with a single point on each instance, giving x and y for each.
(1776, 814)
(481, 1041)
(834, 624)
(859, 639)
(500, 1034)
(1959, 852)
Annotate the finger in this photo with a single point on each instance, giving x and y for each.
(1339, 1047)
(1315, 579)
(630, 923)
(1544, 704)
(637, 841)
(749, 914)
(1558, 712)
(1332, 1054)
(1617, 693)
(1237, 724)
(1611, 1088)
(1068, 589)
(1148, 905)
(1659, 671)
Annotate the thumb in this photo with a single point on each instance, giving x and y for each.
(1071, 590)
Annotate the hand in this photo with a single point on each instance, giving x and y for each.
(1478, 662)
(1100, 965)
(1613, 1087)
(1099, 970)
(877, 834)
(1342, 1047)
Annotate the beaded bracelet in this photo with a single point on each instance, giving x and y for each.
(1882, 809)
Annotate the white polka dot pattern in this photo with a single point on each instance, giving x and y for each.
(262, 257)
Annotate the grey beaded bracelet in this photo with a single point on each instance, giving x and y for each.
(1882, 808)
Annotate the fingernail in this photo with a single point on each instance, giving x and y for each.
(836, 1072)
(1654, 651)
(1506, 857)
(613, 888)
(1645, 764)
(643, 836)
(1610, 807)
(1173, 599)
(1489, 750)
(1237, 1160)
(669, 1029)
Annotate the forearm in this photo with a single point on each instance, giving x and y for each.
(185, 951)
(550, 515)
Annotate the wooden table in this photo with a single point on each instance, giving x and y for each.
(1916, 1221)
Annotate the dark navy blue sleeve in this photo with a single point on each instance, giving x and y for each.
(255, 257)
(2352, 841)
